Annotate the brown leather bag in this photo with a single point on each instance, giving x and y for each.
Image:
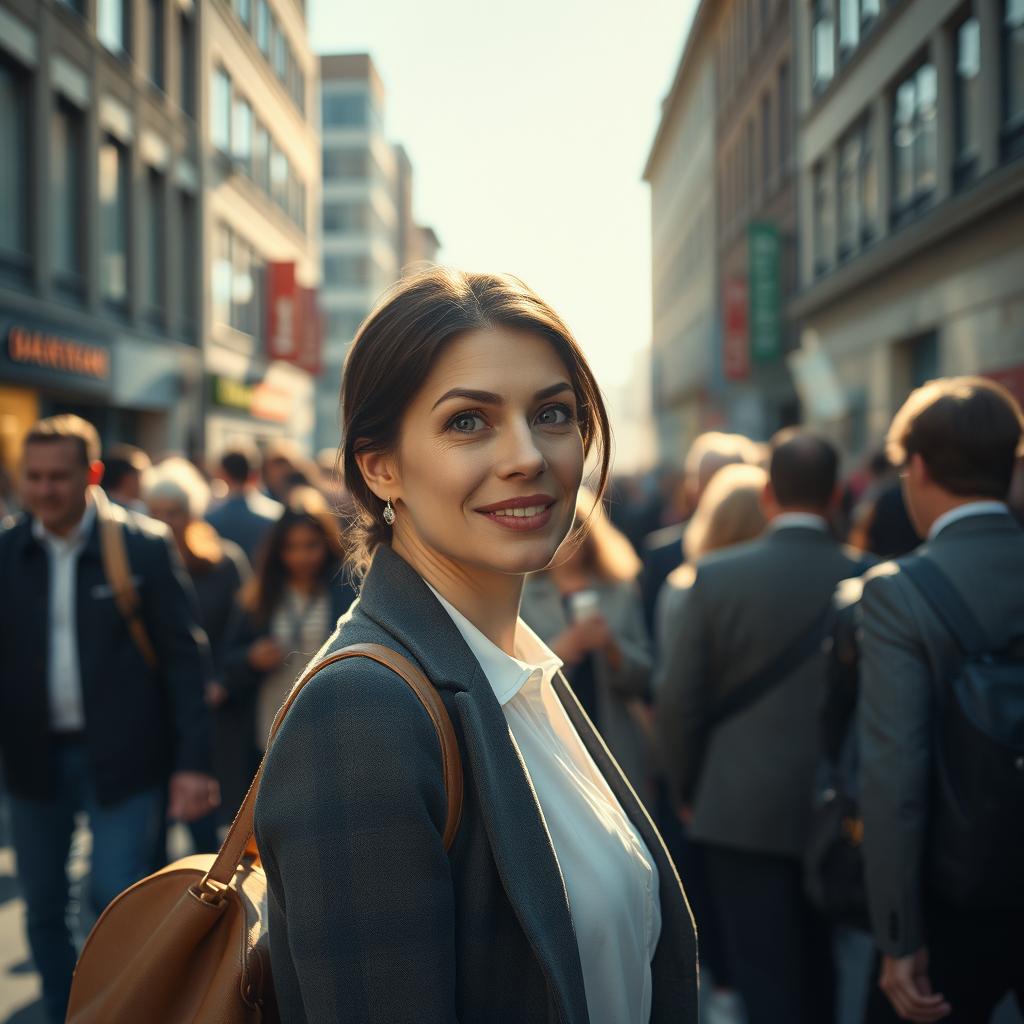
(190, 942)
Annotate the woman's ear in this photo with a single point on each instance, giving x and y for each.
(380, 473)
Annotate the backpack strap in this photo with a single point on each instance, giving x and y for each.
(945, 600)
(754, 687)
(118, 572)
(236, 844)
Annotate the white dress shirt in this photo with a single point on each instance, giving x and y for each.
(63, 678)
(610, 877)
(972, 508)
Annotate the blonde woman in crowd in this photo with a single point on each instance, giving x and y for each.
(586, 607)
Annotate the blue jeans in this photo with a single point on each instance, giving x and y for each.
(123, 837)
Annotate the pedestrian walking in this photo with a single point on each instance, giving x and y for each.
(123, 466)
(942, 715)
(90, 720)
(469, 410)
(246, 514)
(586, 607)
(737, 717)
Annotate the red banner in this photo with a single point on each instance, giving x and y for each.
(736, 339)
(294, 322)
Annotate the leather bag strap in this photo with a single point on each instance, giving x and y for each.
(118, 572)
(236, 844)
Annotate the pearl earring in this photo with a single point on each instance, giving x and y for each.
(389, 514)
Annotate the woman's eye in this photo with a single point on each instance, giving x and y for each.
(554, 415)
(467, 422)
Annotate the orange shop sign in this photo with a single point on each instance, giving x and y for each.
(45, 351)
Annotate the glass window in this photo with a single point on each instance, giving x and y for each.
(153, 300)
(849, 26)
(66, 176)
(345, 110)
(822, 219)
(869, 11)
(156, 42)
(241, 139)
(244, 9)
(14, 167)
(261, 157)
(914, 142)
(783, 112)
(868, 184)
(926, 142)
(187, 69)
(263, 26)
(347, 270)
(278, 177)
(113, 191)
(849, 201)
(1013, 65)
(188, 262)
(766, 139)
(222, 273)
(112, 25)
(967, 112)
(243, 292)
(823, 60)
(346, 163)
(348, 217)
(278, 48)
(220, 110)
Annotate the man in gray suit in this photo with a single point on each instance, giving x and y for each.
(956, 441)
(738, 727)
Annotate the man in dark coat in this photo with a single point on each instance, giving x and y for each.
(748, 774)
(85, 723)
(246, 515)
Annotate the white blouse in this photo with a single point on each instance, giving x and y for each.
(610, 877)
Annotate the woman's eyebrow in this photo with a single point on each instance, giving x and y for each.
(490, 398)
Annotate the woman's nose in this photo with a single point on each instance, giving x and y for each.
(520, 455)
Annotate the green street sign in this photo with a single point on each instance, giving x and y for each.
(763, 256)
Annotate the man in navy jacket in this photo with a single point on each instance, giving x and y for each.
(85, 723)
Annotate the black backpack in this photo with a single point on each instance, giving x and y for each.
(976, 824)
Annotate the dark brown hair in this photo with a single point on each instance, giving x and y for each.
(966, 429)
(67, 427)
(397, 346)
(803, 469)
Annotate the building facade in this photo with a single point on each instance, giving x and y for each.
(911, 202)
(100, 219)
(260, 149)
(369, 233)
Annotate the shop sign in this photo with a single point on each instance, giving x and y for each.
(44, 356)
(736, 343)
(765, 299)
(294, 321)
(262, 401)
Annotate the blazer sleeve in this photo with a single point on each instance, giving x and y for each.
(238, 676)
(632, 676)
(684, 697)
(894, 725)
(349, 822)
(185, 665)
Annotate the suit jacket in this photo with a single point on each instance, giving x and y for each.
(662, 552)
(246, 519)
(906, 656)
(140, 724)
(750, 780)
(370, 919)
(619, 690)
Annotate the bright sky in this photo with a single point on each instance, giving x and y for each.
(528, 126)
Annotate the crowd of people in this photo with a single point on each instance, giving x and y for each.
(782, 662)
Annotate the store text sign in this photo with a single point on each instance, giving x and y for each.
(46, 351)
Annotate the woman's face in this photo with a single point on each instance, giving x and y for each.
(490, 456)
(303, 552)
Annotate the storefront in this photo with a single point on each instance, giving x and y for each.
(45, 369)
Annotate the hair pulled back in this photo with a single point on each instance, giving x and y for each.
(397, 346)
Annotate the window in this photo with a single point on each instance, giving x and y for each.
(823, 60)
(187, 69)
(347, 217)
(244, 9)
(766, 141)
(67, 173)
(914, 143)
(869, 11)
(14, 167)
(220, 112)
(189, 260)
(345, 110)
(784, 107)
(849, 27)
(237, 283)
(263, 26)
(261, 157)
(155, 275)
(349, 270)
(222, 274)
(849, 198)
(112, 25)
(342, 325)
(156, 43)
(823, 225)
(868, 183)
(966, 98)
(113, 191)
(346, 164)
(279, 172)
(278, 48)
(241, 139)
(1013, 78)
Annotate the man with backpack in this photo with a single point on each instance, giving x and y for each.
(941, 718)
(102, 671)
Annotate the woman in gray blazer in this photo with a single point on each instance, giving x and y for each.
(587, 606)
(468, 413)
